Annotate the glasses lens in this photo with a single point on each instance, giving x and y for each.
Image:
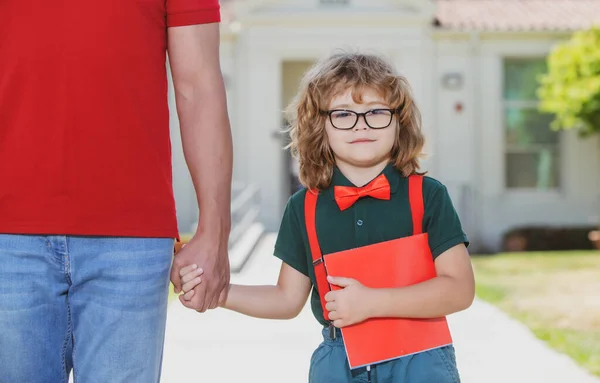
(379, 118)
(343, 119)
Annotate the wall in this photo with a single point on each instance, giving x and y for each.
(471, 144)
(455, 138)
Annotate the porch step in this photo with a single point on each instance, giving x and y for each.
(244, 246)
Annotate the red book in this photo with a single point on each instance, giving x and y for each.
(397, 263)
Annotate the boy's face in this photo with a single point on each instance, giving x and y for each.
(361, 145)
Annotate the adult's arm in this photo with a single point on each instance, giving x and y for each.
(207, 146)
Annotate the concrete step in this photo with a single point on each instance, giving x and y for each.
(244, 246)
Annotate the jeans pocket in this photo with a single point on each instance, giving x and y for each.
(328, 364)
(316, 357)
(448, 357)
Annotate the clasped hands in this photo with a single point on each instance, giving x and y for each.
(204, 287)
(347, 306)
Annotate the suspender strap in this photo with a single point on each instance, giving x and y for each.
(415, 197)
(310, 209)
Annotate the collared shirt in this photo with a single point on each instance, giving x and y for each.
(84, 117)
(367, 221)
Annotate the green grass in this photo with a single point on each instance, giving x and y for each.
(556, 294)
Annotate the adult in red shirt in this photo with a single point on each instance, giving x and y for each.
(87, 214)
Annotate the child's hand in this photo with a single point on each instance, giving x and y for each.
(349, 305)
(190, 278)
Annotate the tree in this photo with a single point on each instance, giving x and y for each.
(570, 88)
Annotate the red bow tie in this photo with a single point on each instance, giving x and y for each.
(345, 196)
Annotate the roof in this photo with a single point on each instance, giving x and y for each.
(517, 15)
(500, 15)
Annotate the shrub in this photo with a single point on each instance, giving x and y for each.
(546, 238)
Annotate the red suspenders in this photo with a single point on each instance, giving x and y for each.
(415, 195)
(310, 209)
(415, 198)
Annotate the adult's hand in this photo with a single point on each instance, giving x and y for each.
(211, 255)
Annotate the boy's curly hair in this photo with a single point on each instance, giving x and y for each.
(331, 77)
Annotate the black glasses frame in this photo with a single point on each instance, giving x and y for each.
(357, 115)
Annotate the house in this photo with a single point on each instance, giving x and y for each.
(472, 65)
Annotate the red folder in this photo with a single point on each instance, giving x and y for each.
(398, 263)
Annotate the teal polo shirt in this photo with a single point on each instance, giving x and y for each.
(366, 222)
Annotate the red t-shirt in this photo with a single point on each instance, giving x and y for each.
(84, 120)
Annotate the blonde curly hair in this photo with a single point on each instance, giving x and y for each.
(331, 77)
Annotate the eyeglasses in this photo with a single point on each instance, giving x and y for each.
(344, 119)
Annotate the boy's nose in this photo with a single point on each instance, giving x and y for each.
(361, 124)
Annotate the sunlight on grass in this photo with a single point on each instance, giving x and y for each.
(172, 295)
(554, 293)
(491, 294)
(583, 346)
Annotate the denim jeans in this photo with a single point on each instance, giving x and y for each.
(96, 305)
(329, 364)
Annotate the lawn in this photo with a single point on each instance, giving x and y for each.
(556, 294)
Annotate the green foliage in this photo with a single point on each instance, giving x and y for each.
(570, 89)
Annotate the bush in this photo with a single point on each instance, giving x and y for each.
(571, 88)
(595, 238)
(547, 239)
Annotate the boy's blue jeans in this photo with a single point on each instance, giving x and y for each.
(94, 304)
(330, 365)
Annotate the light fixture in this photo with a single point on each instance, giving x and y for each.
(452, 81)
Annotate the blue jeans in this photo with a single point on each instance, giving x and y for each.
(330, 365)
(96, 305)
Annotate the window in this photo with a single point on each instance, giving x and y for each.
(532, 158)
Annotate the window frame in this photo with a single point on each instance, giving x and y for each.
(507, 149)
